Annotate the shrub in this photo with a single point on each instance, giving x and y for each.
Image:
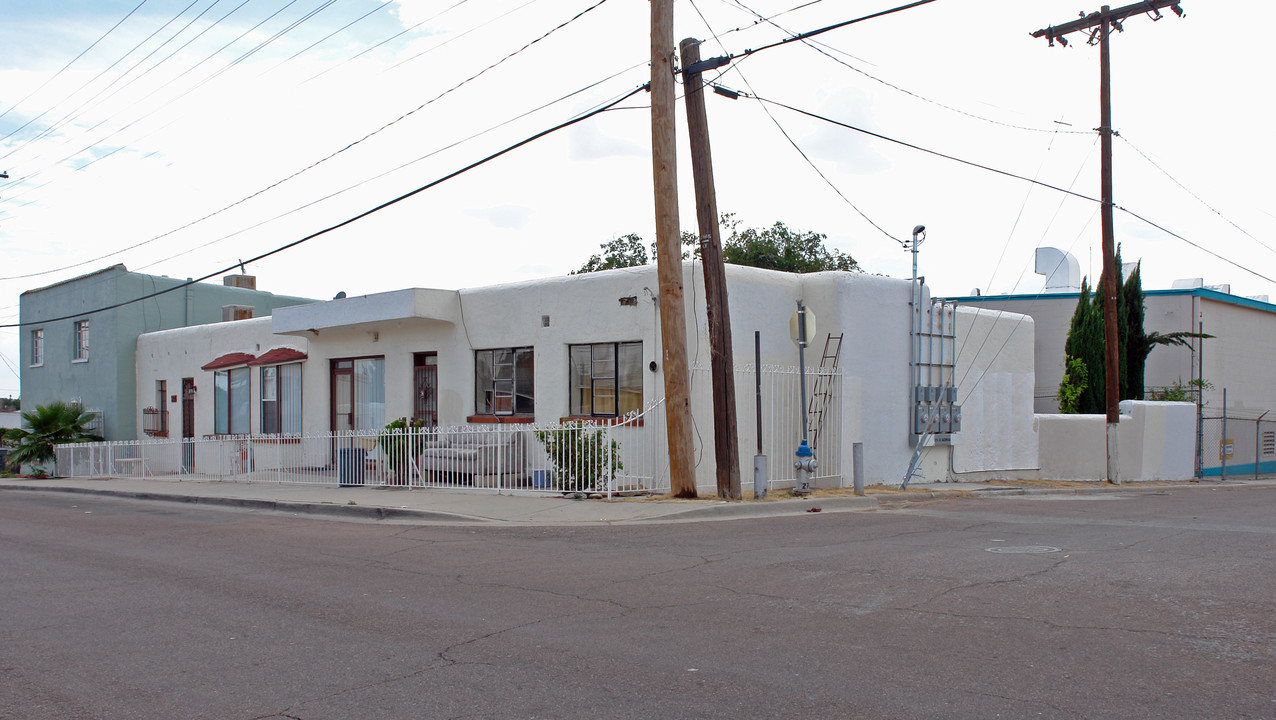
(581, 457)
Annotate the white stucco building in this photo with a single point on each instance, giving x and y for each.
(589, 346)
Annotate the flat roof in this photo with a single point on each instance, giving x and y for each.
(1204, 293)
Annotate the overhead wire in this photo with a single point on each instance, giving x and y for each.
(1019, 177)
(790, 139)
(322, 160)
(64, 119)
(826, 50)
(1185, 189)
(29, 176)
(378, 8)
(72, 62)
(387, 172)
(402, 32)
(348, 221)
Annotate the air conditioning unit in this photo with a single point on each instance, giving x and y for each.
(236, 312)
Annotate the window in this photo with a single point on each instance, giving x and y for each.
(37, 347)
(606, 378)
(358, 394)
(81, 351)
(281, 399)
(230, 401)
(503, 382)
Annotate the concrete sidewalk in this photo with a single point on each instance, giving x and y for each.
(452, 506)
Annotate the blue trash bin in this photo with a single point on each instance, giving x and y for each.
(350, 465)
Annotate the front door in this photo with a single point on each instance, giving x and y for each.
(425, 372)
(342, 396)
(188, 425)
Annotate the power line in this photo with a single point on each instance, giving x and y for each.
(73, 60)
(347, 221)
(65, 118)
(1194, 195)
(320, 161)
(926, 150)
(330, 35)
(406, 31)
(819, 172)
(378, 176)
(1018, 177)
(835, 26)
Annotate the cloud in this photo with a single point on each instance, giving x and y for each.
(587, 142)
(508, 217)
(852, 152)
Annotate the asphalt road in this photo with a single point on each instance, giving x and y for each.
(1153, 606)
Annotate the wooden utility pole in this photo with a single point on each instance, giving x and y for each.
(673, 321)
(725, 438)
(1099, 25)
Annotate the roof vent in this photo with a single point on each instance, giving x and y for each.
(1187, 284)
(1223, 288)
(1062, 272)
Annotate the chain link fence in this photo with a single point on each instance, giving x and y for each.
(1236, 444)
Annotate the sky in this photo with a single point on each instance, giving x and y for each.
(180, 137)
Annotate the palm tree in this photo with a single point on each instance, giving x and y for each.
(46, 426)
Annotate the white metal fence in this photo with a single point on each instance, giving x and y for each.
(626, 455)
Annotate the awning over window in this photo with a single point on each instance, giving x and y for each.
(229, 360)
(279, 356)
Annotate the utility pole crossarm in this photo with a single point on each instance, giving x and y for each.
(1094, 20)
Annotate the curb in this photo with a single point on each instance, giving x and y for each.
(371, 512)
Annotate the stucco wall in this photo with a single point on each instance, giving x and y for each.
(108, 381)
(995, 376)
(1155, 442)
(1235, 358)
(872, 313)
(171, 355)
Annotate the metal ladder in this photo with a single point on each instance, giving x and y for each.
(822, 388)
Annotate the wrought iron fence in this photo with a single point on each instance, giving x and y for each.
(609, 456)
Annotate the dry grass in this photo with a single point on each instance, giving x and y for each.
(884, 492)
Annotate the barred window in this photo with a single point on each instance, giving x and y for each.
(503, 382)
(606, 378)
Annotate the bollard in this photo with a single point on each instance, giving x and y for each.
(857, 463)
(759, 477)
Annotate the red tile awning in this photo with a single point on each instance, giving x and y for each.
(229, 360)
(278, 356)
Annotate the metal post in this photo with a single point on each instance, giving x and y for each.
(1258, 441)
(805, 462)
(1222, 446)
(759, 460)
(857, 464)
(1200, 401)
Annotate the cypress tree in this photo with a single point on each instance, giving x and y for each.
(1085, 342)
(1137, 345)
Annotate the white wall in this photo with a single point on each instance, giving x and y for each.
(171, 355)
(1155, 442)
(872, 313)
(996, 379)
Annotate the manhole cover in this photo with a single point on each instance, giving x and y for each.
(1023, 549)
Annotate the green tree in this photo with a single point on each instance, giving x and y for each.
(624, 251)
(1075, 376)
(781, 248)
(48, 425)
(1086, 342)
(775, 248)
